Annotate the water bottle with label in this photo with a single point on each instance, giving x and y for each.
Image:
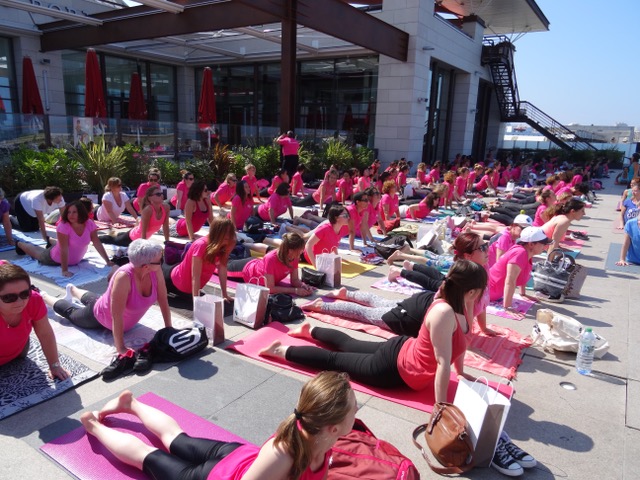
(584, 360)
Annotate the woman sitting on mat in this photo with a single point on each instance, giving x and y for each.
(74, 233)
(114, 202)
(241, 205)
(33, 206)
(201, 260)
(153, 180)
(274, 267)
(132, 290)
(197, 212)
(419, 363)
(300, 448)
(179, 200)
(154, 214)
(225, 192)
(22, 310)
(513, 269)
(562, 216)
(326, 237)
(279, 202)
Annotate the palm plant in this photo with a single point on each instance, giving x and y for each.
(99, 162)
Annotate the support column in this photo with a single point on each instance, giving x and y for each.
(288, 73)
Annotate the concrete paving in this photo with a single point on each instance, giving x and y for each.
(588, 433)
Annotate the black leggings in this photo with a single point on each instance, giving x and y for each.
(427, 277)
(189, 458)
(122, 239)
(235, 268)
(171, 288)
(25, 222)
(372, 363)
(82, 317)
(306, 201)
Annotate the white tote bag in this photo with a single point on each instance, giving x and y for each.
(250, 304)
(331, 265)
(486, 411)
(209, 311)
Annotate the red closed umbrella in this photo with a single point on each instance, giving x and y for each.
(137, 107)
(94, 104)
(31, 101)
(207, 105)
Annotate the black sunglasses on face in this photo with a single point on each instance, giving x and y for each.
(13, 297)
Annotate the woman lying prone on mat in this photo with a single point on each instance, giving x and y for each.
(419, 363)
(74, 233)
(132, 290)
(300, 449)
(21, 310)
(274, 267)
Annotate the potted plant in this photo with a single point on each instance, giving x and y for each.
(99, 163)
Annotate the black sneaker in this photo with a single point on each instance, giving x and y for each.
(523, 458)
(143, 361)
(121, 365)
(504, 462)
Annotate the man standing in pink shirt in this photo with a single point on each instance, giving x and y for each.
(290, 147)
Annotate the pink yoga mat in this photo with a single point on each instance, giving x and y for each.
(423, 400)
(350, 324)
(88, 459)
(521, 304)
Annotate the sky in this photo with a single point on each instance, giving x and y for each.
(586, 68)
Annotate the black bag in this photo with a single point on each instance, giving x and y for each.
(120, 259)
(281, 308)
(313, 277)
(390, 244)
(171, 345)
(174, 251)
(253, 225)
(239, 252)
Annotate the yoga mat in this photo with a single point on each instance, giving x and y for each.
(613, 256)
(401, 286)
(350, 324)
(350, 268)
(25, 382)
(422, 400)
(97, 344)
(500, 355)
(521, 304)
(87, 459)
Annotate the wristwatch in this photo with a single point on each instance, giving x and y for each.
(54, 365)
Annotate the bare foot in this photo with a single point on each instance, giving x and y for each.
(340, 293)
(275, 350)
(395, 256)
(303, 331)
(394, 273)
(122, 404)
(90, 422)
(407, 265)
(315, 306)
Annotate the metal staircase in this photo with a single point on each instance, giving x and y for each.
(497, 53)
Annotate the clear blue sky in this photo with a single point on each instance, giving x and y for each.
(586, 68)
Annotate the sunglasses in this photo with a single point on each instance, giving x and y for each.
(154, 179)
(484, 248)
(189, 178)
(366, 200)
(159, 262)
(157, 194)
(344, 215)
(13, 297)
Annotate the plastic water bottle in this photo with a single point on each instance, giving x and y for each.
(447, 235)
(584, 360)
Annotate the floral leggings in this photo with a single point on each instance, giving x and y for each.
(361, 306)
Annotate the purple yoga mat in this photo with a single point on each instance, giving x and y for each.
(88, 459)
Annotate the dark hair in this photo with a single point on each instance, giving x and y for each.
(185, 174)
(88, 205)
(573, 204)
(83, 215)
(432, 200)
(280, 172)
(282, 189)
(334, 212)
(10, 273)
(463, 276)
(196, 189)
(240, 191)
(358, 196)
(290, 241)
(325, 400)
(51, 193)
(466, 243)
(301, 168)
(220, 233)
(147, 195)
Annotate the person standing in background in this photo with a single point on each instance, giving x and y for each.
(290, 147)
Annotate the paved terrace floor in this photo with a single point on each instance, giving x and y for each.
(590, 433)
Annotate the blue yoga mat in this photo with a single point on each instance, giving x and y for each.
(614, 256)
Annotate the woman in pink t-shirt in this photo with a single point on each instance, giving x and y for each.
(421, 174)
(389, 206)
(225, 192)
(435, 172)
(418, 363)
(300, 449)
(153, 179)
(326, 237)
(344, 187)
(421, 210)
(297, 184)
(562, 216)
(281, 177)
(274, 267)
(508, 238)
(364, 181)
(279, 202)
(547, 199)
(461, 183)
(252, 180)
(241, 205)
(513, 269)
(359, 218)
(132, 290)
(205, 256)
(197, 212)
(22, 311)
(326, 192)
(74, 233)
(179, 200)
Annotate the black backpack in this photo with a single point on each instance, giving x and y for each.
(390, 244)
(281, 308)
(172, 345)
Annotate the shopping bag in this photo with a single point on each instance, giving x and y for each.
(486, 412)
(331, 265)
(250, 305)
(552, 275)
(577, 276)
(208, 310)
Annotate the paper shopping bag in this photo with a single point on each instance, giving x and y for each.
(250, 305)
(331, 265)
(486, 412)
(209, 311)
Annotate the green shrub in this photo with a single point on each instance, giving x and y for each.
(136, 166)
(31, 169)
(266, 160)
(169, 169)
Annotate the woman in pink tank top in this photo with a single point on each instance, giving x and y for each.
(197, 211)
(300, 448)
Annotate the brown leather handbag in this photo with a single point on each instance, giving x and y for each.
(447, 435)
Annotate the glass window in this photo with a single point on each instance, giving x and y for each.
(73, 76)
(8, 91)
(162, 104)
